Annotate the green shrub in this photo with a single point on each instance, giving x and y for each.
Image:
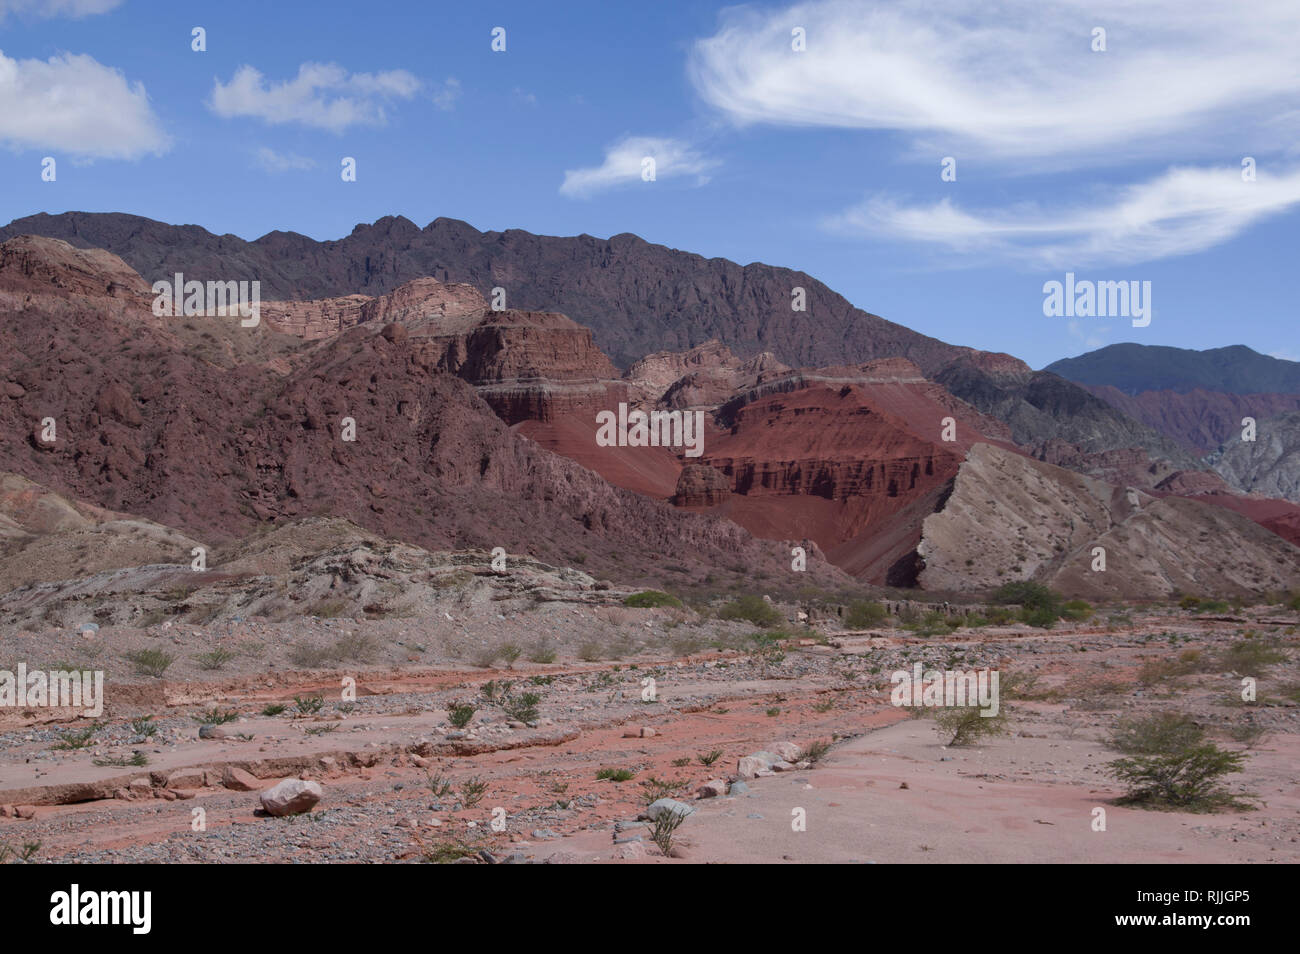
(752, 609)
(150, 662)
(864, 614)
(1029, 594)
(964, 725)
(1076, 610)
(461, 713)
(1153, 735)
(615, 775)
(1186, 779)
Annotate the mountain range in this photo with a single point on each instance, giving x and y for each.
(885, 456)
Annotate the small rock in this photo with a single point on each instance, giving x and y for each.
(237, 780)
(665, 805)
(714, 789)
(291, 797)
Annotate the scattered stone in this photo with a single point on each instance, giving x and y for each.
(714, 789)
(237, 780)
(291, 797)
(665, 805)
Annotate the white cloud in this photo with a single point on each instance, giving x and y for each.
(272, 161)
(57, 8)
(1014, 78)
(445, 96)
(323, 95)
(1182, 211)
(623, 164)
(76, 105)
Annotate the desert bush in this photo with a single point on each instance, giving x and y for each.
(665, 828)
(1029, 594)
(471, 791)
(1039, 617)
(353, 647)
(964, 725)
(1152, 735)
(615, 775)
(308, 705)
(542, 652)
(1076, 610)
(814, 751)
(216, 716)
(650, 599)
(708, 758)
(1251, 654)
(460, 714)
(215, 659)
(864, 614)
(150, 662)
(522, 707)
(511, 652)
(752, 609)
(273, 708)
(1184, 779)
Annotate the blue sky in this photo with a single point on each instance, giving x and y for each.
(1115, 164)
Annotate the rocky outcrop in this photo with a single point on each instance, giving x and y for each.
(1009, 517)
(220, 442)
(417, 300)
(1268, 465)
(701, 486)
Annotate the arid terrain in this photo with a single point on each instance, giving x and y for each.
(402, 783)
(366, 583)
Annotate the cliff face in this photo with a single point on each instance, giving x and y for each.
(201, 424)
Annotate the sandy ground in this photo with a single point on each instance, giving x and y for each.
(400, 781)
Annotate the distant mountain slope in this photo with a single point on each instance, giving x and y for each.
(1041, 406)
(637, 297)
(1134, 368)
(1200, 420)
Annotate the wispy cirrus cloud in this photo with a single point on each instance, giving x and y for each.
(1184, 210)
(1017, 85)
(624, 161)
(76, 105)
(322, 95)
(1015, 78)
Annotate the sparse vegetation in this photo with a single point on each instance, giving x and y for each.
(273, 708)
(460, 714)
(650, 599)
(708, 758)
(965, 725)
(752, 609)
(308, 705)
(216, 716)
(216, 659)
(150, 662)
(864, 614)
(135, 760)
(615, 775)
(471, 791)
(665, 829)
(77, 738)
